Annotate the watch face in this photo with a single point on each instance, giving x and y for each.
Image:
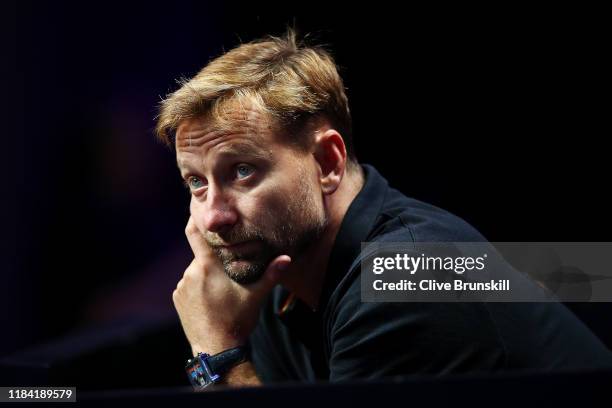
(196, 372)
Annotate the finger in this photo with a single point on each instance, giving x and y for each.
(199, 246)
(271, 276)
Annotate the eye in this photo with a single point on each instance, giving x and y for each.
(194, 182)
(244, 171)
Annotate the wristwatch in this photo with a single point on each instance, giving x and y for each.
(204, 369)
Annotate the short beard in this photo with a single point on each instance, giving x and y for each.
(291, 233)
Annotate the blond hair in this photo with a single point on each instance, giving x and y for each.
(291, 82)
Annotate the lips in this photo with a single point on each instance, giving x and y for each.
(239, 246)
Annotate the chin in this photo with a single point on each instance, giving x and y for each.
(244, 272)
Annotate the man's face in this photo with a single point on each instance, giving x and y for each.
(253, 197)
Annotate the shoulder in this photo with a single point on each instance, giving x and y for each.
(408, 337)
(404, 219)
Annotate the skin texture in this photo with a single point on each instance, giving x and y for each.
(284, 205)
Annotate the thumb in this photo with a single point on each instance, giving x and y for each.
(272, 275)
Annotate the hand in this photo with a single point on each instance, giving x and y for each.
(217, 313)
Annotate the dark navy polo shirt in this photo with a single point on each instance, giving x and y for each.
(349, 339)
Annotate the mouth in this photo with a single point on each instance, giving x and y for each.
(240, 246)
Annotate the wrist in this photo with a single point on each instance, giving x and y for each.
(213, 347)
(206, 369)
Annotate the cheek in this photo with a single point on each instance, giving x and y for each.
(267, 205)
(253, 205)
(274, 199)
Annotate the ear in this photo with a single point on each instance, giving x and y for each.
(330, 154)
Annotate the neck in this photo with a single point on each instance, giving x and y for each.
(306, 274)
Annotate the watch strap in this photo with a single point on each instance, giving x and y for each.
(222, 362)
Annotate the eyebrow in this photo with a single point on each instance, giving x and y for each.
(237, 149)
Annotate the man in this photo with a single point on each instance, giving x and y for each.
(279, 207)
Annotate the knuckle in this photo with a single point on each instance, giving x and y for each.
(179, 285)
(190, 229)
(193, 272)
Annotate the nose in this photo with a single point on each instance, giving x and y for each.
(215, 213)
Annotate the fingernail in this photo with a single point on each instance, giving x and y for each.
(282, 266)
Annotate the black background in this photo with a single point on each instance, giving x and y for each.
(498, 115)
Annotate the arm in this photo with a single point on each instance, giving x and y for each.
(217, 313)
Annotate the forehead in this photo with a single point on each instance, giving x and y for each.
(242, 132)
